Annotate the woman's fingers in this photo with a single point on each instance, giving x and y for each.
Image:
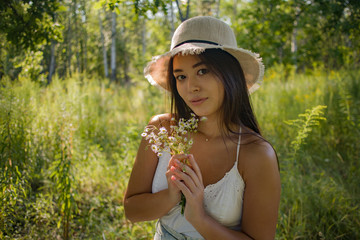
(189, 178)
(195, 166)
(186, 171)
(194, 169)
(180, 157)
(181, 185)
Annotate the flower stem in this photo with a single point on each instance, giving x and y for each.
(182, 203)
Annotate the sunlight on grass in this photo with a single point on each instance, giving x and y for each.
(92, 129)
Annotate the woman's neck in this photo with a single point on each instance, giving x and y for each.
(211, 128)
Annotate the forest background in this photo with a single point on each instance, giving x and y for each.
(73, 102)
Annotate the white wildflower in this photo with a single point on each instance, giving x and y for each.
(175, 142)
(163, 130)
(154, 148)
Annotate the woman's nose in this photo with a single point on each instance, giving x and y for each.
(193, 84)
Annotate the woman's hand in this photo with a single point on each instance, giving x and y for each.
(174, 191)
(189, 181)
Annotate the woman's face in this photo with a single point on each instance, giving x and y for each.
(199, 87)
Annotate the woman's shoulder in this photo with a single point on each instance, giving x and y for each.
(161, 120)
(258, 155)
(260, 149)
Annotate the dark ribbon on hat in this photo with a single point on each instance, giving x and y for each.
(197, 41)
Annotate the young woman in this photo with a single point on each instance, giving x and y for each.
(232, 182)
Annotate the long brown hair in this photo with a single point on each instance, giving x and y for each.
(236, 106)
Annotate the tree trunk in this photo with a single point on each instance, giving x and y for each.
(294, 44)
(106, 70)
(187, 9)
(83, 3)
(217, 8)
(77, 37)
(69, 53)
(52, 56)
(125, 69)
(179, 10)
(294, 38)
(52, 61)
(182, 18)
(143, 36)
(113, 48)
(172, 18)
(85, 53)
(125, 57)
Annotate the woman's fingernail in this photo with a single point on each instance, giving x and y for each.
(173, 178)
(173, 168)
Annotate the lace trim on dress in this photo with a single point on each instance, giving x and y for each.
(212, 190)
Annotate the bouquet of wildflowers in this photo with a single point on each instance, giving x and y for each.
(175, 142)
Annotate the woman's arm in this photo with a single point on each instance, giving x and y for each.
(140, 203)
(261, 197)
(262, 192)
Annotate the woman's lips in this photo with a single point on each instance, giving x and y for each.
(198, 101)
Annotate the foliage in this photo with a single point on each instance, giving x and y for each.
(140, 6)
(51, 140)
(302, 33)
(14, 160)
(61, 169)
(28, 24)
(304, 124)
(72, 145)
(31, 67)
(316, 185)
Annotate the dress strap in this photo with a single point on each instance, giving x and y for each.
(238, 147)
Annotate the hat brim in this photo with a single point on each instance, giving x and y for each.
(157, 70)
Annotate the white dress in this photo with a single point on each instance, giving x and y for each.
(223, 200)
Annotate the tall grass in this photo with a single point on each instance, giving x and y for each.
(67, 151)
(320, 173)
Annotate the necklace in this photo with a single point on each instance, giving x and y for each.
(206, 138)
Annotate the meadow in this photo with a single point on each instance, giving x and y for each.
(67, 150)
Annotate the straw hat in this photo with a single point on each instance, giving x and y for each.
(195, 35)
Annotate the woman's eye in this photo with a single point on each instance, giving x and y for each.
(180, 77)
(203, 71)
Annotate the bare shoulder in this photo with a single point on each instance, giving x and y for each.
(258, 157)
(261, 150)
(263, 187)
(161, 120)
